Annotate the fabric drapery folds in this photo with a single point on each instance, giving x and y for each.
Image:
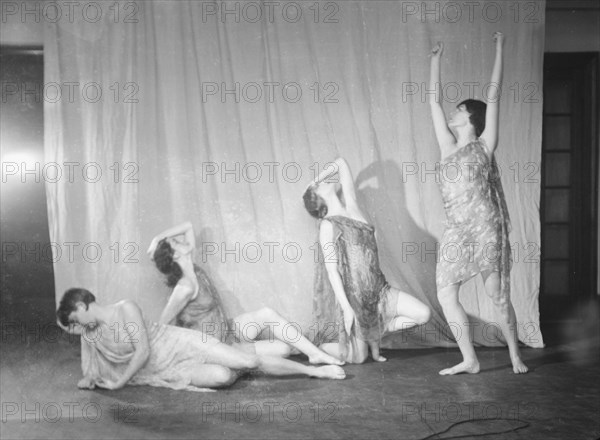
(178, 113)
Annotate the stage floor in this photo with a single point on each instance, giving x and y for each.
(404, 398)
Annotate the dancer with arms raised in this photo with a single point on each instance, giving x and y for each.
(477, 217)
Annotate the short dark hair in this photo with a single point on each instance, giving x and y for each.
(164, 261)
(68, 303)
(476, 109)
(314, 203)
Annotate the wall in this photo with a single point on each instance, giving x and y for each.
(574, 26)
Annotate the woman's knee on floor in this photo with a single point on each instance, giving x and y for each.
(357, 353)
(220, 377)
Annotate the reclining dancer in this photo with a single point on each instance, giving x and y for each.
(195, 304)
(118, 348)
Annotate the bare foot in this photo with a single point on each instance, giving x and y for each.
(324, 358)
(464, 367)
(329, 372)
(518, 366)
(379, 358)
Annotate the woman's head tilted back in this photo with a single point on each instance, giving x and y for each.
(314, 203)
(165, 262)
(68, 303)
(476, 110)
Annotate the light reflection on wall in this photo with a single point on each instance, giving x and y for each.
(27, 279)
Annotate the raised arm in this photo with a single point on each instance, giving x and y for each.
(347, 182)
(133, 324)
(181, 295)
(185, 229)
(443, 134)
(340, 169)
(330, 256)
(490, 133)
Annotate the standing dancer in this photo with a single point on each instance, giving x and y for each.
(195, 304)
(369, 305)
(477, 217)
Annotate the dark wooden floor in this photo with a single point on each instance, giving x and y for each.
(403, 398)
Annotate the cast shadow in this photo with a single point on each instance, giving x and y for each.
(404, 247)
(229, 301)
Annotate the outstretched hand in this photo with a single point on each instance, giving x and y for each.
(437, 49)
(86, 384)
(108, 384)
(499, 37)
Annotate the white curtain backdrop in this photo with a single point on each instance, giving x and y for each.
(175, 111)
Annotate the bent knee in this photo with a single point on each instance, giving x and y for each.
(424, 315)
(284, 350)
(224, 377)
(250, 362)
(357, 355)
(359, 358)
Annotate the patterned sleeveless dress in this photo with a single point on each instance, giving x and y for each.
(175, 353)
(477, 226)
(364, 284)
(205, 312)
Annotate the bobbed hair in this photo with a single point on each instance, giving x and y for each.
(68, 303)
(164, 261)
(476, 109)
(314, 203)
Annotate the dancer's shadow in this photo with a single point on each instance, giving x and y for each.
(407, 251)
(229, 301)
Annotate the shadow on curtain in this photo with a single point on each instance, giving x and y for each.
(182, 111)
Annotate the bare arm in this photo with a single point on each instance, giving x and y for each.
(341, 169)
(137, 335)
(330, 255)
(177, 301)
(73, 329)
(347, 182)
(490, 134)
(185, 229)
(443, 134)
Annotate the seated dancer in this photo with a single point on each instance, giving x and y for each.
(119, 348)
(195, 304)
(476, 212)
(370, 307)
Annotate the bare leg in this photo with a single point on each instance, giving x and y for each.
(277, 366)
(457, 318)
(252, 324)
(507, 323)
(274, 348)
(231, 357)
(212, 376)
(408, 311)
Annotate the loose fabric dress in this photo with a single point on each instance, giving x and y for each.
(477, 226)
(205, 312)
(364, 284)
(175, 353)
